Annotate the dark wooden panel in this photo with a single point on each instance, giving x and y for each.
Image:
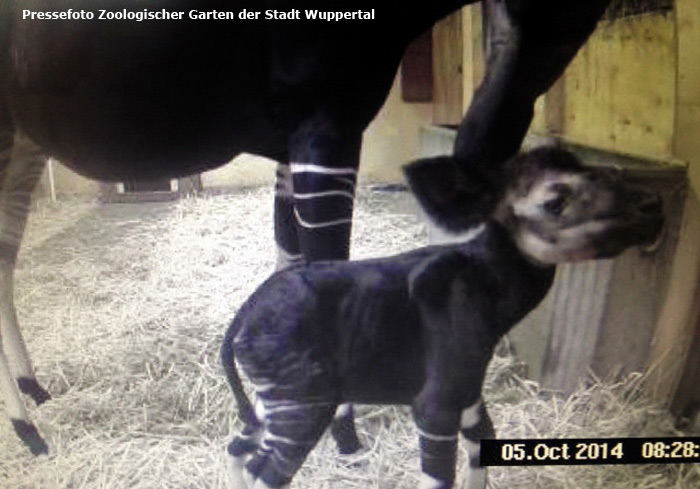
(417, 70)
(447, 70)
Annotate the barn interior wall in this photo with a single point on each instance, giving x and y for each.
(392, 139)
(67, 182)
(619, 92)
(635, 89)
(676, 365)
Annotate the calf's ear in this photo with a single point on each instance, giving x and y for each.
(452, 196)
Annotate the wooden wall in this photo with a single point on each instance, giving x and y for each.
(677, 363)
(634, 89)
(619, 92)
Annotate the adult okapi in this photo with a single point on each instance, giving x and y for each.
(126, 100)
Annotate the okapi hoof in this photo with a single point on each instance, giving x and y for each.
(32, 388)
(344, 434)
(28, 433)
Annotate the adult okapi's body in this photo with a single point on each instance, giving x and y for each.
(125, 100)
(419, 328)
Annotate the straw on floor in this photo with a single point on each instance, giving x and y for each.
(124, 307)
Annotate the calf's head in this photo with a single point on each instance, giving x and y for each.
(556, 209)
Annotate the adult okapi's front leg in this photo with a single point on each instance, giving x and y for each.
(286, 234)
(323, 167)
(314, 197)
(313, 214)
(528, 46)
(19, 174)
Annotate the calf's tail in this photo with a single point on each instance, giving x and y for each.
(245, 409)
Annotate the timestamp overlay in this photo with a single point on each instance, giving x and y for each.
(590, 451)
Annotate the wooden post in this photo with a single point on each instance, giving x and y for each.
(52, 180)
(447, 71)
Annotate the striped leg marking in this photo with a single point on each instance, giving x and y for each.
(19, 174)
(476, 425)
(290, 431)
(286, 235)
(323, 196)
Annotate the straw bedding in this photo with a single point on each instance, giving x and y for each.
(124, 308)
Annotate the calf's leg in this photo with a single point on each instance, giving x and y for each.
(475, 425)
(437, 421)
(289, 431)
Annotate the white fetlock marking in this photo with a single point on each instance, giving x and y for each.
(259, 484)
(429, 482)
(236, 469)
(285, 259)
(249, 479)
(342, 411)
(474, 478)
(473, 448)
(470, 416)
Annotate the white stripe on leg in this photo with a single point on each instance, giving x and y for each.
(310, 168)
(285, 259)
(311, 225)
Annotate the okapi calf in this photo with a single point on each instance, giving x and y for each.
(419, 328)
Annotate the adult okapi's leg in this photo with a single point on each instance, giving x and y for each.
(323, 173)
(323, 164)
(286, 235)
(19, 173)
(528, 46)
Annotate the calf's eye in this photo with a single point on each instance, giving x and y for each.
(556, 206)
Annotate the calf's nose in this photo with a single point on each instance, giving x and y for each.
(649, 203)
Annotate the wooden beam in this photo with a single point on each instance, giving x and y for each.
(447, 70)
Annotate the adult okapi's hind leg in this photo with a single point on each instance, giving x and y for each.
(21, 165)
(528, 46)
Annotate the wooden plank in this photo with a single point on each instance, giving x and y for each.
(473, 64)
(620, 88)
(417, 70)
(447, 70)
(577, 317)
